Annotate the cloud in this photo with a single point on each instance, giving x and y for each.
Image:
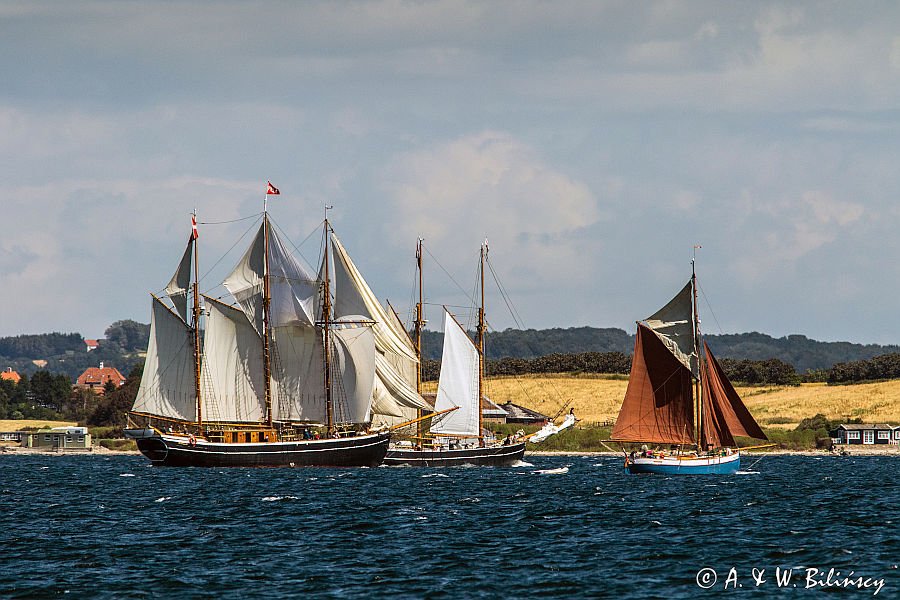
(492, 185)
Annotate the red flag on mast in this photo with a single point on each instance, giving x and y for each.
(271, 190)
(194, 233)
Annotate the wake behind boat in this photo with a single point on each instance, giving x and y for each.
(678, 396)
(298, 359)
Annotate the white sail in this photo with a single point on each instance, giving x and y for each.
(354, 353)
(551, 429)
(458, 383)
(292, 288)
(396, 367)
(298, 391)
(167, 386)
(233, 367)
(674, 325)
(178, 285)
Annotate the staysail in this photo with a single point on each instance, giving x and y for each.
(458, 383)
(658, 405)
(292, 288)
(167, 385)
(724, 414)
(395, 366)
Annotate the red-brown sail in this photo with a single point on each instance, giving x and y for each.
(658, 406)
(724, 414)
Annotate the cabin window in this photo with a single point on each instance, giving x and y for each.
(852, 435)
(884, 435)
(868, 436)
(46, 438)
(897, 435)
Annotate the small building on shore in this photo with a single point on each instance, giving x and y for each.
(95, 378)
(10, 375)
(866, 434)
(526, 416)
(58, 438)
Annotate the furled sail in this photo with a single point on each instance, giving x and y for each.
(724, 414)
(674, 324)
(178, 287)
(658, 405)
(552, 429)
(167, 385)
(298, 374)
(354, 353)
(292, 288)
(232, 367)
(395, 370)
(458, 383)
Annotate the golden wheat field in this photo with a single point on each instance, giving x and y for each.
(597, 398)
(11, 425)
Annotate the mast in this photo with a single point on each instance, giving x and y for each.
(196, 322)
(419, 325)
(326, 326)
(480, 332)
(698, 410)
(267, 363)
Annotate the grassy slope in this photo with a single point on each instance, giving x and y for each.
(597, 398)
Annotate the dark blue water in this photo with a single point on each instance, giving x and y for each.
(113, 527)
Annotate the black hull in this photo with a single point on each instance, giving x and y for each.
(361, 451)
(497, 456)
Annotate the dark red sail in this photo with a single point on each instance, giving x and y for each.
(724, 414)
(658, 406)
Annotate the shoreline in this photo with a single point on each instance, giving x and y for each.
(101, 451)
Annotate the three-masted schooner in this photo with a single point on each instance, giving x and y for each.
(663, 405)
(456, 435)
(300, 354)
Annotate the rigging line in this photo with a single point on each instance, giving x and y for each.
(711, 311)
(506, 298)
(257, 215)
(471, 298)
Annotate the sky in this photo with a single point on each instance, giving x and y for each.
(592, 143)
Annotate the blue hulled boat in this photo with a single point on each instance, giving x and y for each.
(679, 398)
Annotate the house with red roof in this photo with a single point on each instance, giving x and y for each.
(95, 378)
(10, 375)
(91, 345)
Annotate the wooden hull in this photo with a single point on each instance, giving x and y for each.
(495, 456)
(674, 465)
(178, 451)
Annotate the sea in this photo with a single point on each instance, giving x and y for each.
(100, 526)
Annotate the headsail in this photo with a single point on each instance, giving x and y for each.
(458, 382)
(674, 324)
(167, 385)
(658, 405)
(178, 286)
(724, 414)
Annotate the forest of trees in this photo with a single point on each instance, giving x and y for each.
(752, 358)
(799, 351)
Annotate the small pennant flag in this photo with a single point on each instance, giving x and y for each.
(194, 233)
(271, 190)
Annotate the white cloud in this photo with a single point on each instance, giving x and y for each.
(492, 185)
